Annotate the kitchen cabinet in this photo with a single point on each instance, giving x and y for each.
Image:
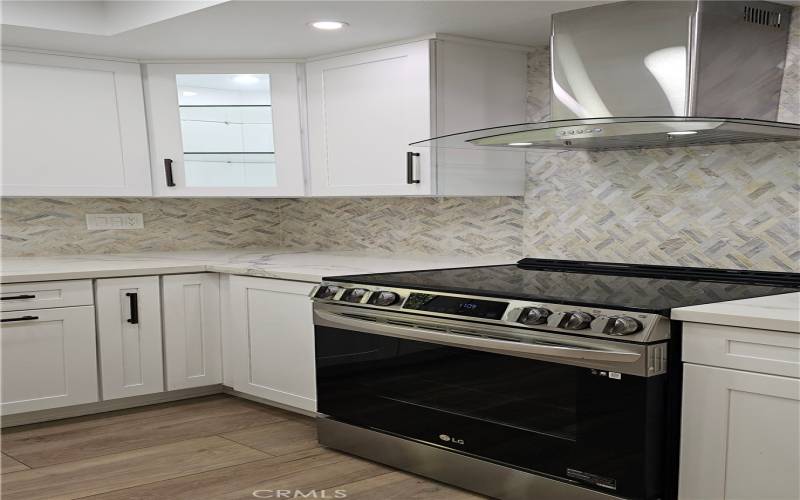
(129, 336)
(740, 436)
(229, 129)
(73, 127)
(192, 345)
(273, 338)
(48, 352)
(365, 108)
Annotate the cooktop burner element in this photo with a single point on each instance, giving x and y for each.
(630, 287)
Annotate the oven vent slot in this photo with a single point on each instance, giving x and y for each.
(360, 316)
(465, 332)
(434, 328)
(400, 323)
(762, 17)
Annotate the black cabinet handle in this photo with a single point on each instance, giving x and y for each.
(18, 297)
(410, 168)
(21, 318)
(134, 298)
(168, 172)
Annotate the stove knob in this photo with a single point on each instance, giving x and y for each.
(577, 320)
(326, 292)
(386, 298)
(354, 295)
(534, 316)
(623, 325)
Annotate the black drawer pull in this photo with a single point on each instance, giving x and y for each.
(134, 298)
(168, 172)
(21, 318)
(18, 297)
(410, 168)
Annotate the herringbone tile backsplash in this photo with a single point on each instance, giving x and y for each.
(721, 206)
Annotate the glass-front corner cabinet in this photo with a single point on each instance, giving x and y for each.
(225, 129)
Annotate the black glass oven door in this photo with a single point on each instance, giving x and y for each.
(572, 423)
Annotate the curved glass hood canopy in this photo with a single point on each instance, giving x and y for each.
(654, 74)
(605, 134)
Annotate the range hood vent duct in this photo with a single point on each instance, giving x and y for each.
(655, 74)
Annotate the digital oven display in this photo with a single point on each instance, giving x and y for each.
(460, 306)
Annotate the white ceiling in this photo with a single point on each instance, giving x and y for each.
(278, 29)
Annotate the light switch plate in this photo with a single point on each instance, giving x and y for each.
(99, 222)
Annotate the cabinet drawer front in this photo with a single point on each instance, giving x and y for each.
(763, 351)
(46, 294)
(49, 359)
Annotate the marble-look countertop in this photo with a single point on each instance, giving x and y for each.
(775, 312)
(309, 266)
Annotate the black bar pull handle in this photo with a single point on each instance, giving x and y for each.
(168, 172)
(134, 298)
(18, 297)
(410, 168)
(21, 318)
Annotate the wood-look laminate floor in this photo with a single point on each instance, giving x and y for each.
(216, 447)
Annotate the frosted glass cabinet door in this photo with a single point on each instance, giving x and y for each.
(225, 129)
(72, 127)
(129, 336)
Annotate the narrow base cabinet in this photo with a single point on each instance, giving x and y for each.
(129, 336)
(192, 348)
(48, 358)
(740, 436)
(273, 339)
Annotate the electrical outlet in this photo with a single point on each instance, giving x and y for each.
(100, 222)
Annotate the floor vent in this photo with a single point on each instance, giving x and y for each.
(763, 17)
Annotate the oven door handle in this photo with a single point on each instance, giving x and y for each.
(469, 341)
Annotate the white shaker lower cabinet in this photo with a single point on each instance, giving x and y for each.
(48, 358)
(192, 348)
(274, 340)
(129, 334)
(740, 436)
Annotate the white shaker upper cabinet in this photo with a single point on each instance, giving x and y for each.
(225, 129)
(72, 127)
(364, 109)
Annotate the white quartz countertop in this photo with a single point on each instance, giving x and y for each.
(775, 312)
(309, 266)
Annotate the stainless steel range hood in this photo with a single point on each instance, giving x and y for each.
(645, 74)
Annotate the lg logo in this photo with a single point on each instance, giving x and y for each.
(449, 439)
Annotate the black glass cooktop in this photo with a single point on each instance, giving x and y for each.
(614, 286)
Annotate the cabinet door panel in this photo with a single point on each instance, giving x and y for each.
(192, 330)
(78, 127)
(364, 109)
(48, 361)
(740, 435)
(229, 129)
(274, 336)
(130, 352)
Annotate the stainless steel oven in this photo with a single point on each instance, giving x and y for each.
(510, 398)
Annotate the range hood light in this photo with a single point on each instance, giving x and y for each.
(520, 143)
(682, 132)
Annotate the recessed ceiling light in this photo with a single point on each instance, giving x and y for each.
(188, 93)
(245, 79)
(682, 132)
(520, 143)
(328, 25)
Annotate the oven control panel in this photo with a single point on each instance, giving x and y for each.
(589, 321)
